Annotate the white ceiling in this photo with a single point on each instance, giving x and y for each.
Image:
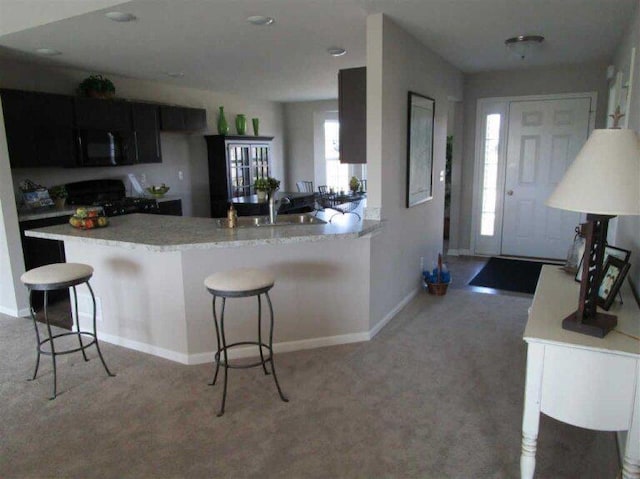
(211, 42)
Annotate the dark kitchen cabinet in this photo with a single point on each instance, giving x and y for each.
(235, 162)
(352, 113)
(170, 207)
(179, 118)
(99, 114)
(39, 252)
(146, 124)
(39, 128)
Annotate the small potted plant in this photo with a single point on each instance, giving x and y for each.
(96, 86)
(59, 195)
(265, 186)
(354, 184)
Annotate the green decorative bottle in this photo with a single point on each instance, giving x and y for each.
(256, 126)
(241, 124)
(223, 126)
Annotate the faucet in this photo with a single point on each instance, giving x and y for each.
(274, 206)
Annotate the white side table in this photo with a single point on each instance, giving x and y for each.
(577, 379)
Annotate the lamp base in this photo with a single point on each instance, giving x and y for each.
(597, 326)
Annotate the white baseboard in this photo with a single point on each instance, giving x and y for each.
(145, 348)
(16, 313)
(459, 252)
(376, 329)
(251, 351)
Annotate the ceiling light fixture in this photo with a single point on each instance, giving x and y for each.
(120, 16)
(336, 51)
(523, 46)
(48, 52)
(261, 20)
(174, 74)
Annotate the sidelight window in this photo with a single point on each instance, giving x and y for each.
(490, 174)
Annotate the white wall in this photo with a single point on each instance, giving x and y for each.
(301, 123)
(396, 64)
(534, 81)
(628, 233)
(181, 152)
(13, 296)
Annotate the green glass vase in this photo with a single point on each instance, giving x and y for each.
(256, 126)
(241, 124)
(223, 126)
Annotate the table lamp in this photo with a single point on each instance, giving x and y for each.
(603, 181)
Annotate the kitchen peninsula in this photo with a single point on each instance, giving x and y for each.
(149, 273)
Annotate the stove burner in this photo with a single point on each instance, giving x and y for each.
(127, 205)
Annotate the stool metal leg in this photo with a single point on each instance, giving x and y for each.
(95, 334)
(75, 302)
(226, 359)
(35, 326)
(217, 356)
(273, 366)
(53, 348)
(264, 366)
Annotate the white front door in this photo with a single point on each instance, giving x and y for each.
(544, 138)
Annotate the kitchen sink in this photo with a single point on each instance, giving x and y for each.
(282, 220)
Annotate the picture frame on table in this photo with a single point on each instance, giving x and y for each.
(621, 254)
(420, 125)
(613, 276)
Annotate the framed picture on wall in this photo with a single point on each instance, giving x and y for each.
(420, 149)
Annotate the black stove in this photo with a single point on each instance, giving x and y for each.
(110, 195)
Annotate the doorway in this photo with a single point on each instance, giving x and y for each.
(523, 147)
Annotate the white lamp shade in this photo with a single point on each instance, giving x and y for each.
(604, 178)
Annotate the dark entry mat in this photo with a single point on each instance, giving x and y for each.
(509, 274)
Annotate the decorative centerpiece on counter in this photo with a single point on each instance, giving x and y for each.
(223, 126)
(354, 185)
(438, 279)
(158, 191)
(59, 195)
(266, 187)
(241, 124)
(89, 218)
(97, 86)
(35, 195)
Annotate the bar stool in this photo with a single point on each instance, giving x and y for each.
(241, 283)
(60, 276)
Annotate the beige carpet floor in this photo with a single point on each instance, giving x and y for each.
(437, 394)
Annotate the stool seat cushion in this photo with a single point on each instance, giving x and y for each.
(57, 273)
(239, 280)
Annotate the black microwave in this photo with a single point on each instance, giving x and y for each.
(106, 148)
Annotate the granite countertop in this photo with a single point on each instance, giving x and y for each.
(177, 233)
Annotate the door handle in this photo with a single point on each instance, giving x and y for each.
(510, 192)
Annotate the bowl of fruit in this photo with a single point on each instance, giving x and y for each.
(88, 218)
(158, 191)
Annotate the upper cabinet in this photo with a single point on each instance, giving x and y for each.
(98, 114)
(352, 106)
(179, 118)
(40, 129)
(146, 124)
(43, 129)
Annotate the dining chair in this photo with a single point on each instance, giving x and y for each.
(305, 186)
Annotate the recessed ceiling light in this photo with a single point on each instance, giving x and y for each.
(336, 51)
(174, 74)
(48, 52)
(120, 16)
(261, 20)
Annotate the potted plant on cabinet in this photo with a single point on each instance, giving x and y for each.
(96, 86)
(59, 195)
